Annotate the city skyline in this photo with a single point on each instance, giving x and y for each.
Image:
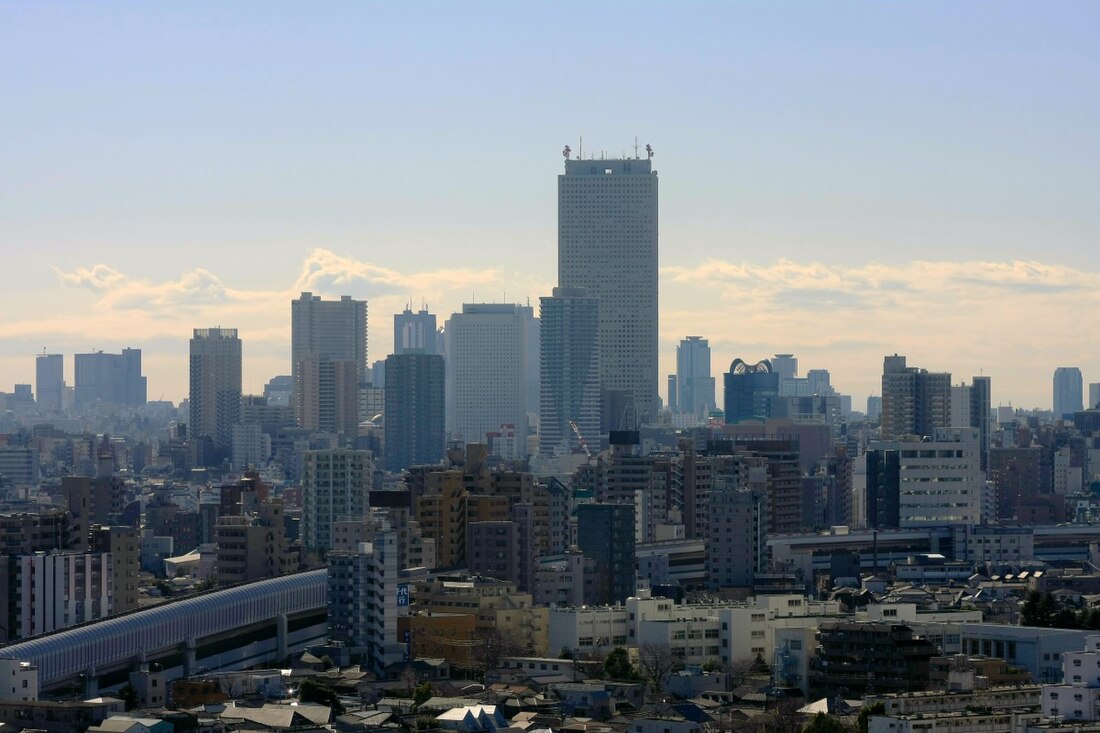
(842, 185)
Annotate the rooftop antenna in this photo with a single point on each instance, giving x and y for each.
(635, 147)
(566, 151)
(580, 148)
(649, 151)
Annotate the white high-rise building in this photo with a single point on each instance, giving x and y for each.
(487, 370)
(694, 383)
(215, 397)
(607, 243)
(570, 371)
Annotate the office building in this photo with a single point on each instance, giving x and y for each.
(215, 398)
(914, 401)
(49, 382)
(113, 379)
(414, 404)
(1068, 393)
(336, 487)
(1094, 395)
(487, 367)
(694, 384)
(570, 371)
(414, 332)
(934, 481)
(751, 391)
(607, 243)
(606, 535)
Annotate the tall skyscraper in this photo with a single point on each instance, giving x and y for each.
(332, 329)
(215, 387)
(328, 338)
(695, 385)
(914, 401)
(607, 243)
(49, 381)
(109, 378)
(1094, 395)
(570, 370)
(487, 364)
(1068, 392)
(414, 331)
(414, 410)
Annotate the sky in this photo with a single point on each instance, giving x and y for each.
(839, 180)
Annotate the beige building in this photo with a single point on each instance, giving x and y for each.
(253, 546)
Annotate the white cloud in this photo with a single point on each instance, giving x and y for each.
(1014, 321)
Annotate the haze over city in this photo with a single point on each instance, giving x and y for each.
(841, 182)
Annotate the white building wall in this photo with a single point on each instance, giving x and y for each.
(18, 681)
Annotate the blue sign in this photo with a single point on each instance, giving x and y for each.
(403, 594)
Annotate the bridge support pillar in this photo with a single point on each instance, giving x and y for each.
(189, 658)
(281, 634)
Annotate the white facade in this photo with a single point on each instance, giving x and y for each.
(607, 243)
(18, 681)
(1078, 697)
(487, 370)
(694, 633)
(941, 481)
(336, 487)
(59, 590)
(584, 631)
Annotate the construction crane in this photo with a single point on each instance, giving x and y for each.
(580, 439)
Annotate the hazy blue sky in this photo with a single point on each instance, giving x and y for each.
(841, 180)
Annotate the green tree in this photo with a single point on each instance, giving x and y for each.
(313, 691)
(422, 693)
(825, 723)
(566, 653)
(617, 666)
(863, 722)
